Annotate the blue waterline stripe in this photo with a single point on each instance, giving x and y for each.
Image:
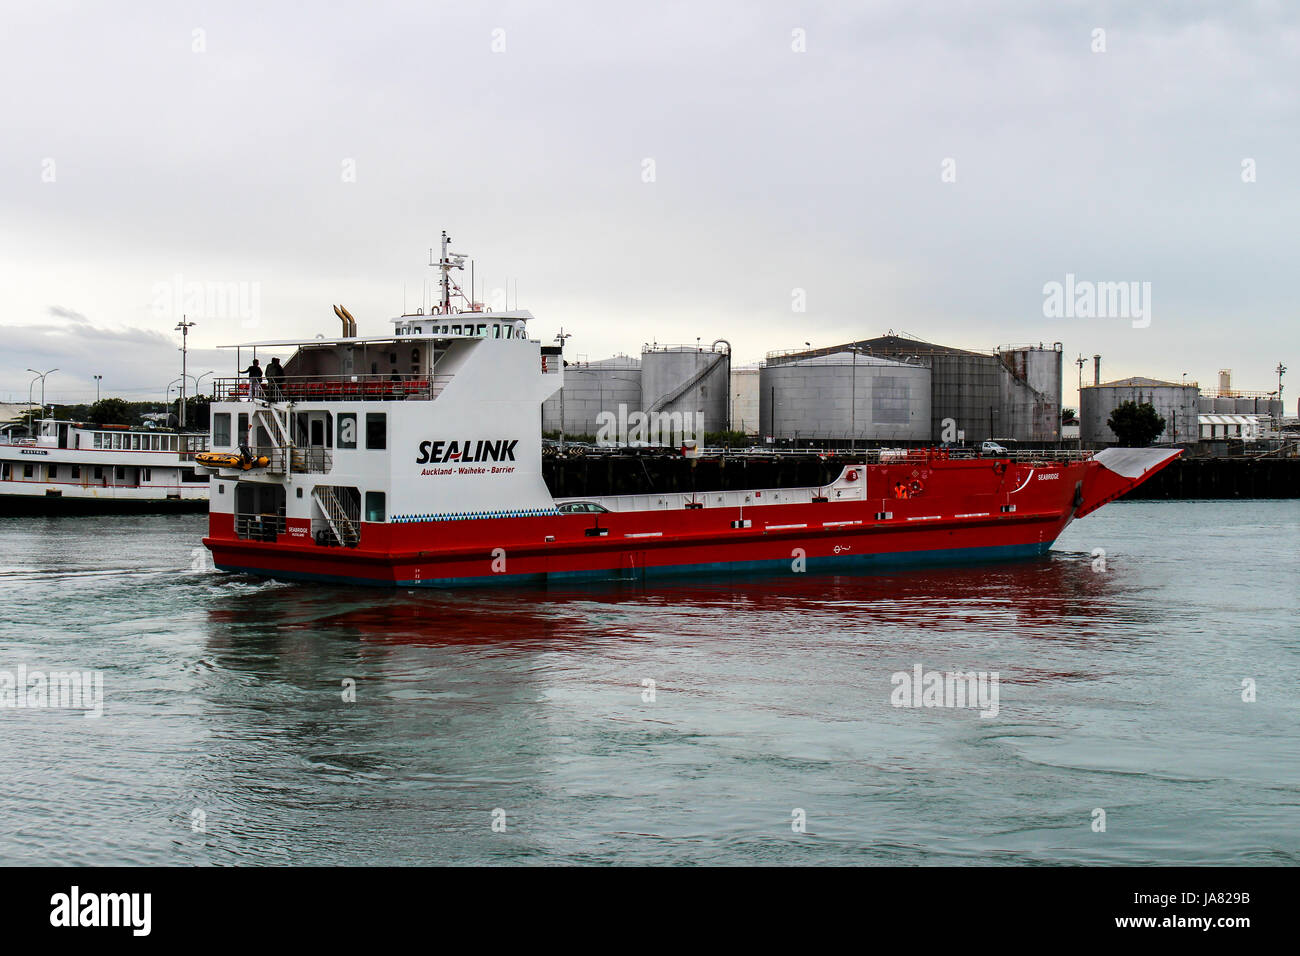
(841, 562)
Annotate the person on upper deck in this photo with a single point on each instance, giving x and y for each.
(275, 379)
(254, 373)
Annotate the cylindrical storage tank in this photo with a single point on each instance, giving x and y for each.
(1031, 394)
(966, 397)
(845, 397)
(593, 394)
(1179, 405)
(745, 415)
(687, 384)
(1257, 406)
(1225, 406)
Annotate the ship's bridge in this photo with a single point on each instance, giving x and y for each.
(474, 323)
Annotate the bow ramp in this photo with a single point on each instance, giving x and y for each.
(1116, 471)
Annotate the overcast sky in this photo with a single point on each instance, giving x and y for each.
(650, 172)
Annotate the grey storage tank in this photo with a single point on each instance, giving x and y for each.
(591, 388)
(1179, 405)
(844, 396)
(688, 380)
(1030, 392)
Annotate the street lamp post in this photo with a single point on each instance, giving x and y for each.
(199, 379)
(41, 376)
(184, 326)
(98, 379)
(560, 338)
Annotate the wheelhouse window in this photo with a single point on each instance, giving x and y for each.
(376, 430)
(221, 430)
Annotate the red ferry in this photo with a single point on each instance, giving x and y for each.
(414, 458)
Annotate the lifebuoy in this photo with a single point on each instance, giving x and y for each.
(916, 487)
(851, 475)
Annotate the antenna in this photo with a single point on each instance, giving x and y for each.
(450, 260)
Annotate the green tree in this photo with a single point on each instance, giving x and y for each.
(1136, 426)
(111, 411)
(1067, 415)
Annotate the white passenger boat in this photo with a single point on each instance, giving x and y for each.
(72, 467)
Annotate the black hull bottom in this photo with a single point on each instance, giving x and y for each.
(54, 506)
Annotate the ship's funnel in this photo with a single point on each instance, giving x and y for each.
(352, 323)
(349, 323)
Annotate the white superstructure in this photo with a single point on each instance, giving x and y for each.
(437, 420)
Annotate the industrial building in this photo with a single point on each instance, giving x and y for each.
(845, 395)
(1225, 427)
(1012, 393)
(1177, 403)
(892, 388)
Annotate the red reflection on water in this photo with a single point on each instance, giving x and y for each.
(1053, 596)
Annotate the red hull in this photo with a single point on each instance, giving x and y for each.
(964, 509)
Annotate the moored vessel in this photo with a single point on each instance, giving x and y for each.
(77, 467)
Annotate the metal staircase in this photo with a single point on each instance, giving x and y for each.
(669, 397)
(276, 424)
(343, 524)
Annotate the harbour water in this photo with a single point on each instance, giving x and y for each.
(227, 736)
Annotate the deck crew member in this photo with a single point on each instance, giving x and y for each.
(275, 379)
(254, 373)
